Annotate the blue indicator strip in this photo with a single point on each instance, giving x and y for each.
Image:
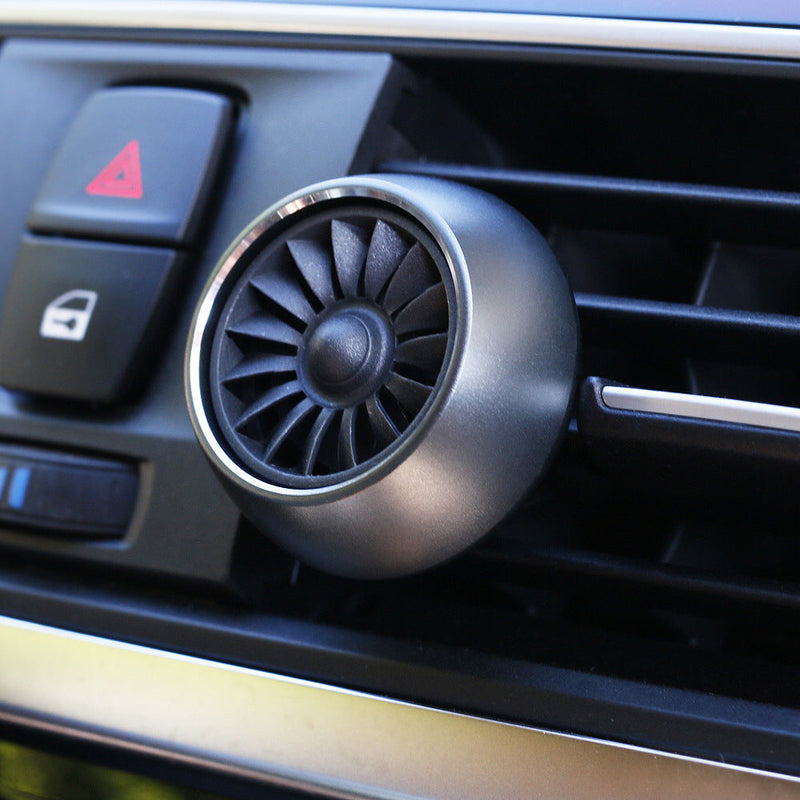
(19, 487)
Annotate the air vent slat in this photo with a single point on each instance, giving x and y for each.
(315, 439)
(727, 212)
(347, 438)
(386, 251)
(425, 352)
(314, 262)
(410, 394)
(267, 328)
(286, 426)
(496, 179)
(595, 573)
(266, 401)
(349, 252)
(428, 312)
(687, 330)
(284, 292)
(382, 423)
(415, 273)
(260, 365)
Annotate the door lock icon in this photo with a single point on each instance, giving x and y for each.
(68, 316)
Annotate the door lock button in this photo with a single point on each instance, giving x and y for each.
(79, 317)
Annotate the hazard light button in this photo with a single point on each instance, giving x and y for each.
(137, 165)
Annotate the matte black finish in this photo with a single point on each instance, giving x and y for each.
(654, 327)
(167, 145)
(497, 408)
(346, 350)
(606, 186)
(65, 494)
(87, 346)
(330, 344)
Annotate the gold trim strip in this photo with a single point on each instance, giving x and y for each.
(328, 739)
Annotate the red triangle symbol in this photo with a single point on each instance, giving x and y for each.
(122, 176)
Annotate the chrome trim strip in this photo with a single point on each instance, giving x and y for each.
(716, 409)
(403, 23)
(323, 738)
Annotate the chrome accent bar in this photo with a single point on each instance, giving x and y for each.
(408, 23)
(716, 409)
(323, 738)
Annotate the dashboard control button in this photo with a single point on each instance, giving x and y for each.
(72, 495)
(78, 316)
(137, 164)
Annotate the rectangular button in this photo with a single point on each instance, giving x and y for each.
(137, 164)
(73, 495)
(80, 318)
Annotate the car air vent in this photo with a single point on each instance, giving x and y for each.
(659, 545)
(679, 235)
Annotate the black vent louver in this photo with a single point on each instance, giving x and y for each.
(332, 343)
(680, 234)
(637, 557)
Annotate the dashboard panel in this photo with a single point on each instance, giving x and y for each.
(630, 625)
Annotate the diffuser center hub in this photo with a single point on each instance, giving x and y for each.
(347, 354)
